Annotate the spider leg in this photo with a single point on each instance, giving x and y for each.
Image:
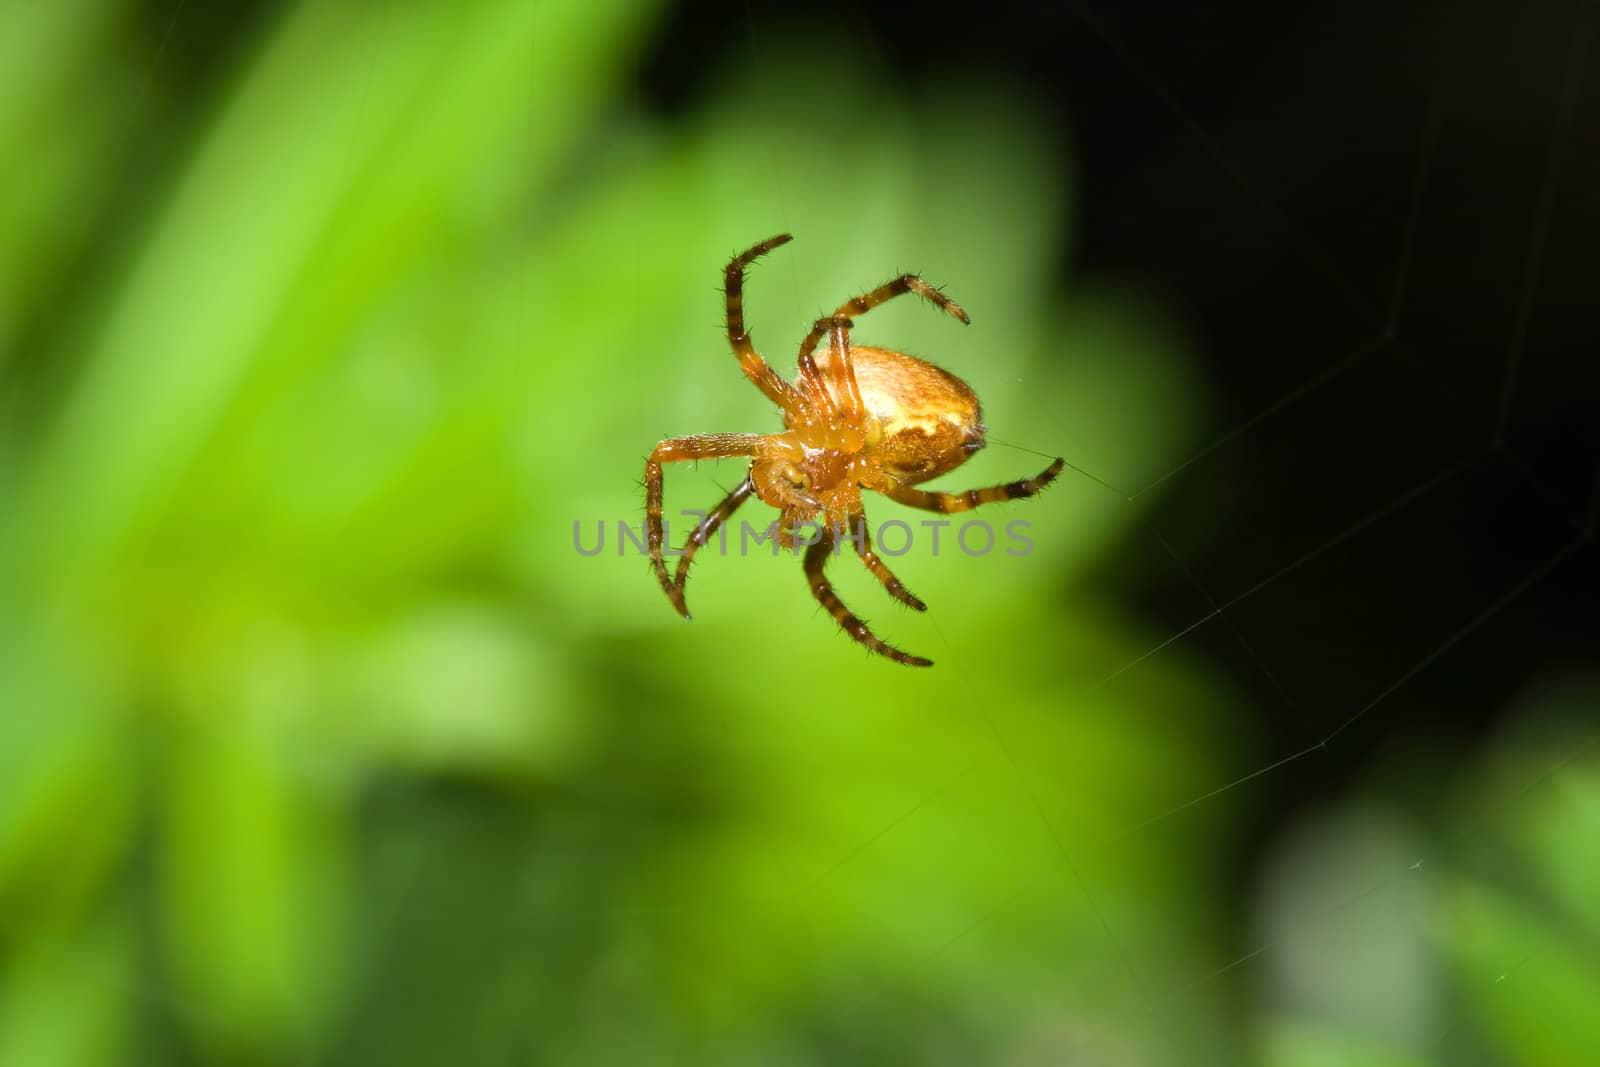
(816, 558)
(755, 368)
(906, 283)
(844, 371)
(708, 526)
(951, 502)
(675, 450)
(880, 570)
(811, 377)
(840, 367)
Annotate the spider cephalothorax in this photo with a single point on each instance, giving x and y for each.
(856, 418)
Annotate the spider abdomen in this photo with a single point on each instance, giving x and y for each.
(924, 421)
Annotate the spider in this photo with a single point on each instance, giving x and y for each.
(856, 418)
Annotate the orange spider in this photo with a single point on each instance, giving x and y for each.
(856, 418)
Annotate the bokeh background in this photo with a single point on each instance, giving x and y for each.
(325, 326)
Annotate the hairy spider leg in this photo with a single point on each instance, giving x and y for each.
(879, 569)
(844, 370)
(676, 450)
(811, 381)
(755, 368)
(906, 283)
(709, 526)
(947, 503)
(840, 367)
(817, 558)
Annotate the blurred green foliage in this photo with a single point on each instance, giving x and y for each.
(323, 744)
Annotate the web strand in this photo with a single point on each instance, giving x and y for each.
(1399, 502)
(1560, 134)
(1426, 151)
(1332, 371)
(1311, 250)
(1504, 601)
